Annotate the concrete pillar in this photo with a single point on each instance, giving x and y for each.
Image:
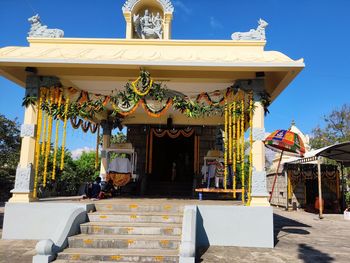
(129, 33)
(259, 192)
(167, 25)
(25, 171)
(106, 142)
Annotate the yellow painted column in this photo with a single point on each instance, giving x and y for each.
(259, 190)
(127, 16)
(167, 25)
(106, 143)
(23, 190)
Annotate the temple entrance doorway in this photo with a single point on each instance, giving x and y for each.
(172, 160)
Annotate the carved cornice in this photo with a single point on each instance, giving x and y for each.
(120, 53)
(166, 5)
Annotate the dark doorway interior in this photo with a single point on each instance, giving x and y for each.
(311, 192)
(172, 156)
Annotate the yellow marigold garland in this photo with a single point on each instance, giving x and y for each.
(97, 146)
(234, 145)
(64, 132)
(37, 143)
(134, 84)
(242, 149)
(251, 147)
(59, 99)
(230, 134)
(225, 146)
(48, 142)
(43, 143)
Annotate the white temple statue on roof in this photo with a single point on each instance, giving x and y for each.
(39, 30)
(148, 25)
(253, 34)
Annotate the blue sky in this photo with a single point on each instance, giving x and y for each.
(316, 30)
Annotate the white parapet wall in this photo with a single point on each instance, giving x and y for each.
(240, 226)
(40, 220)
(50, 222)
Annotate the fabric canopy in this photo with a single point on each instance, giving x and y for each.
(338, 152)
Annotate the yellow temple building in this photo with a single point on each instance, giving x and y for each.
(172, 95)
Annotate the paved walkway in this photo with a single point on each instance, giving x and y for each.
(299, 237)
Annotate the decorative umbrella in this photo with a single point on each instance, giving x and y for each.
(284, 141)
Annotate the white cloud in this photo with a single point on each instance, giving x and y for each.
(215, 24)
(78, 152)
(182, 6)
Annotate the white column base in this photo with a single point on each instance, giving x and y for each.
(22, 198)
(259, 201)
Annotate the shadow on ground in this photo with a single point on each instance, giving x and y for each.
(287, 225)
(310, 255)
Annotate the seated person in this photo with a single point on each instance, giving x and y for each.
(108, 189)
(95, 188)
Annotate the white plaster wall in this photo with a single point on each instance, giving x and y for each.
(235, 226)
(38, 220)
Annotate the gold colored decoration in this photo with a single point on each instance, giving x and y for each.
(156, 114)
(97, 147)
(242, 149)
(37, 143)
(230, 134)
(134, 86)
(64, 132)
(58, 98)
(48, 141)
(226, 142)
(250, 148)
(43, 143)
(235, 148)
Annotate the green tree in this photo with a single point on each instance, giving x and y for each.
(336, 128)
(69, 180)
(9, 154)
(85, 167)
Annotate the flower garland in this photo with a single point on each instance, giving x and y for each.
(97, 146)
(226, 146)
(251, 147)
(37, 143)
(147, 89)
(59, 99)
(242, 150)
(125, 102)
(156, 113)
(46, 116)
(125, 113)
(48, 142)
(64, 132)
(235, 148)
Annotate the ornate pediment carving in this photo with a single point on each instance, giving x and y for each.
(166, 5)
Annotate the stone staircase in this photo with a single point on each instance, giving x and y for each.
(127, 232)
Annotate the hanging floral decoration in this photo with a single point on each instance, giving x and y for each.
(84, 125)
(145, 92)
(80, 107)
